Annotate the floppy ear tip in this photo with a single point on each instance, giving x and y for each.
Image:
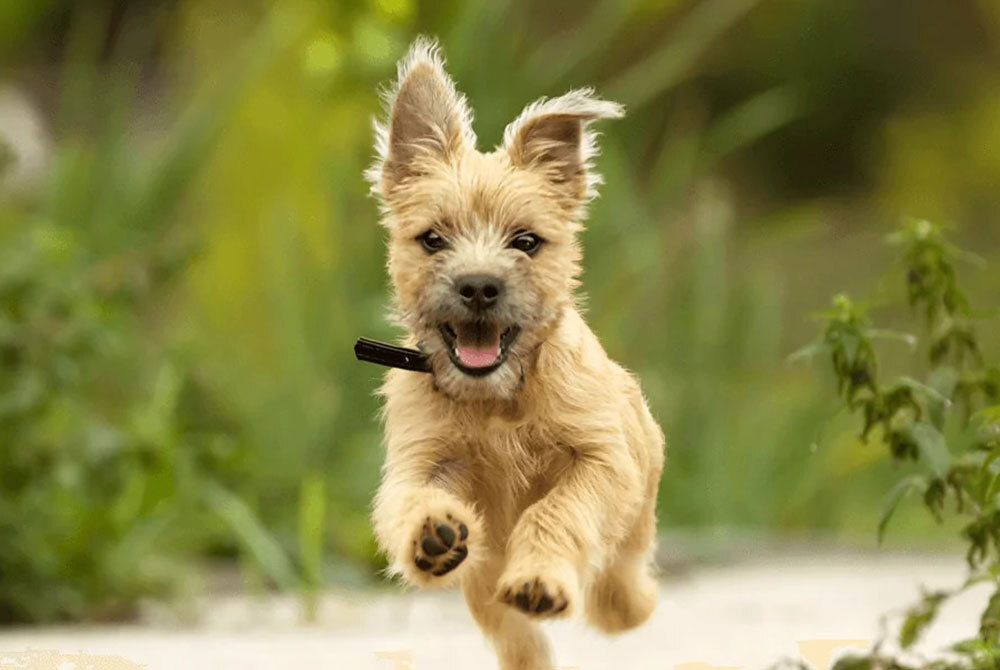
(610, 110)
(581, 104)
(593, 108)
(584, 102)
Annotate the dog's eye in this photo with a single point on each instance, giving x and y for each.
(432, 242)
(526, 242)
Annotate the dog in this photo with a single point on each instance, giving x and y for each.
(526, 466)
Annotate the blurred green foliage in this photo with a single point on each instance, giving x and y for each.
(949, 423)
(182, 286)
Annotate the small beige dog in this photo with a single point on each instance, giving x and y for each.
(526, 465)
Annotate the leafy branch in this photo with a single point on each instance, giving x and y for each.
(949, 423)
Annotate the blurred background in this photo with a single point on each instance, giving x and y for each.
(188, 251)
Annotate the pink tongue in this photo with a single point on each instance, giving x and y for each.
(477, 358)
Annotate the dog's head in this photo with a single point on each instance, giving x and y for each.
(483, 251)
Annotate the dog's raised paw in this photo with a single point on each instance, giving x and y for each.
(536, 597)
(441, 545)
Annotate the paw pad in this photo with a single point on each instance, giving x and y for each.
(535, 597)
(441, 547)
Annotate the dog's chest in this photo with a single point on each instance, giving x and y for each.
(510, 469)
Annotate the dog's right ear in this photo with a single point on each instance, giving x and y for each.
(428, 120)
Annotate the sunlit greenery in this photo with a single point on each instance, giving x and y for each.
(182, 284)
(948, 421)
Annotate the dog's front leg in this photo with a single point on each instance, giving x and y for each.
(422, 521)
(567, 536)
(518, 641)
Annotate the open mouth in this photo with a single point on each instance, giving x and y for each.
(477, 348)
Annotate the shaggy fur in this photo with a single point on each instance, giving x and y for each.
(532, 486)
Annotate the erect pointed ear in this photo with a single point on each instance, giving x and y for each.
(554, 137)
(428, 120)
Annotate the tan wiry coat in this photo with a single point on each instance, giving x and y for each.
(533, 486)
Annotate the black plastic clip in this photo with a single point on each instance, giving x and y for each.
(391, 356)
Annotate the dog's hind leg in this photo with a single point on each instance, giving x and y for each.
(518, 641)
(624, 594)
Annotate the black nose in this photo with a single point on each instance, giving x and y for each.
(479, 291)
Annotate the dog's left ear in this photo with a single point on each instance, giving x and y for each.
(554, 137)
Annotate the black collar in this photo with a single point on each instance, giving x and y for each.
(391, 356)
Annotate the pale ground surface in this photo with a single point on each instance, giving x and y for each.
(744, 615)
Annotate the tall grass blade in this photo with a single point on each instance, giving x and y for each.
(675, 60)
(251, 534)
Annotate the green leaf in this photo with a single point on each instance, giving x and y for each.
(914, 230)
(252, 534)
(312, 515)
(928, 391)
(944, 379)
(902, 489)
(852, 342)
(750, 120)
(811, 350)
(7, 157)
(989, 621)
(853, 662)
(672, 61)
(978, 651)
(883, 334)
(932, 447)
(968, 647)
(920, 616)
(989, 415)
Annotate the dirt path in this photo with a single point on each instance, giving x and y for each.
(747, 615)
